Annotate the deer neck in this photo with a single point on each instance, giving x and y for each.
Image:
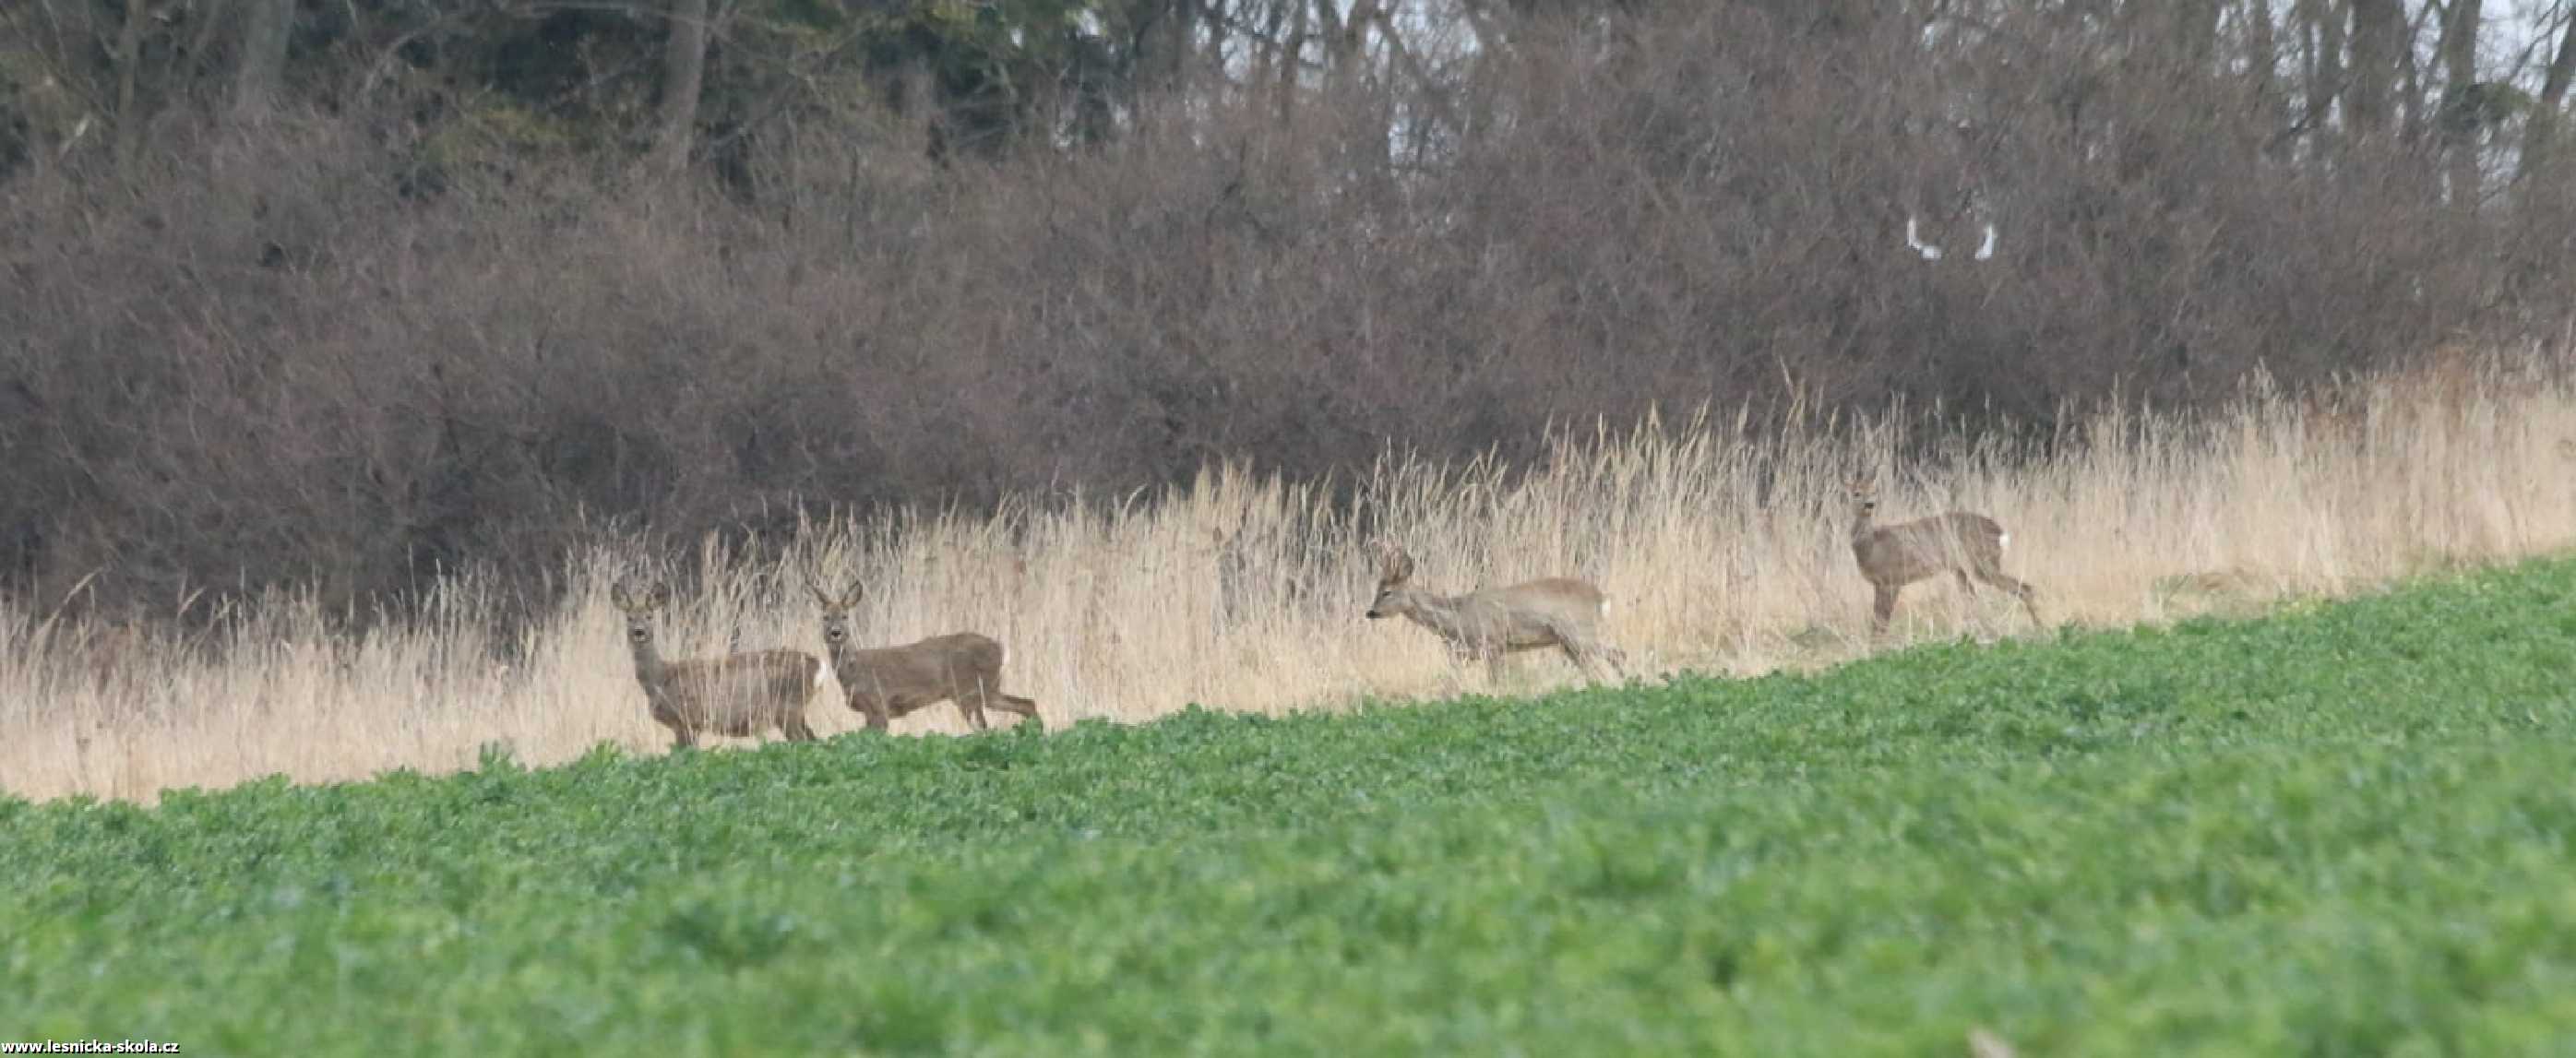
(838, 653)
(1444, 615)
(1863, 527)
(648, 661)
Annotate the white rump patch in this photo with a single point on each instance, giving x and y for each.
(2003, 540)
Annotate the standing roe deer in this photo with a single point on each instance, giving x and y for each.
(1892, 557)
(887, 683)
(1556, 612)
(737, 695)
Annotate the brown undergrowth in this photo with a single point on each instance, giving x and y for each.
(1724, 549)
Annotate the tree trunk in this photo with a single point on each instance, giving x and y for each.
(2411, 79)
(2195, 29)
(1292, 57)
(262, 68)
(2462, 115)
(2263, 66)
(1162, 46)
(2321, 32)
(2378, 30)
(1328, 36)
(1345, 39)
(2262, 45)
(129, 62)
(2543, 128)
(684, 69)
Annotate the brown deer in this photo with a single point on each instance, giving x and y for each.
(1558, 612)
(1892, 557)
(885, 684)
(737, 695)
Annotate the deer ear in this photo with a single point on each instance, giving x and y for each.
(1399, 567)
(817, 591)
(858, 590)
(661, 595)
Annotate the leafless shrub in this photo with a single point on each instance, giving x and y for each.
(281, 358)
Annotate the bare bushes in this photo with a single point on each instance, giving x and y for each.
(272, 359)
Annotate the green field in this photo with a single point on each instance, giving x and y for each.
(2340, 830)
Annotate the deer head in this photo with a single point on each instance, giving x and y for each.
(1395, 570)
(1864, 496)
(639, 607)
(836, 608)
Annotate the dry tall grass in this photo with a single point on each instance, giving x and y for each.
(1724, 550)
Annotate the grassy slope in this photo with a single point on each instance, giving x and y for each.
(2327, 832)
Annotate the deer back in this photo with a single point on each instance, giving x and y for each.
(740, 693)
(1926, 546)
(1532, 611)
(935, 667)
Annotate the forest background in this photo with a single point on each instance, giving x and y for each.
(338, 296)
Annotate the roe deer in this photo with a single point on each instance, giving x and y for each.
(1556, 612)
(1892, 557)
(887, 683)
(737, 695)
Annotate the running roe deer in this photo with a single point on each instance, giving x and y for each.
(1556, 612)
(885, 684)
(1892, 557)
(737, 695)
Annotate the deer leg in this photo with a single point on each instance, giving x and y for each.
(1453, 680)
(1882, 608)
(1967, 589)
(1614, 658)
(1586, 653)
(1012, 703)
(1582, 659)
(683, 738)
(971, 703)
(988, 691)
(1462, 655)
(874, 710)
(2027, 594)
(798, 730)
